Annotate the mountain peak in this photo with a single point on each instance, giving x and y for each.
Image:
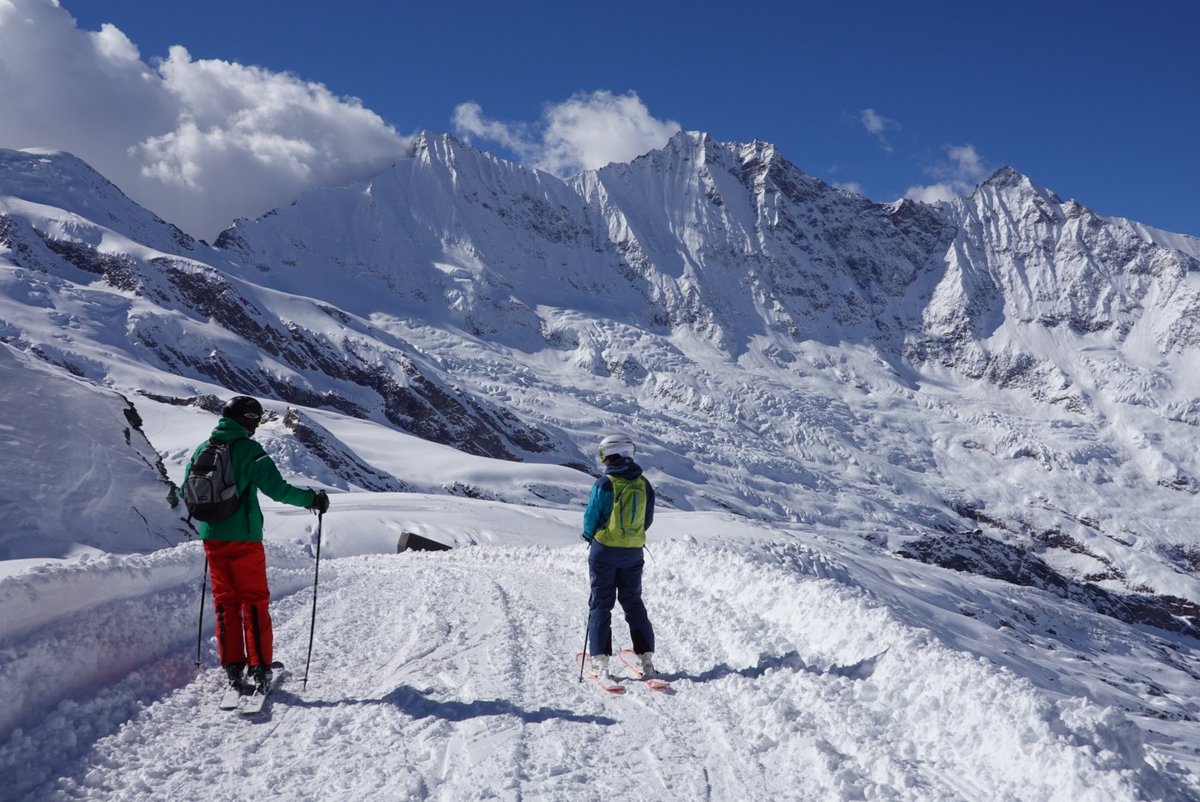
(49, 174)
(62, 180)
(420, 143)
(689, 138)
(1008, 177)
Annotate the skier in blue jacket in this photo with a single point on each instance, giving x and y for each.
(619, 511)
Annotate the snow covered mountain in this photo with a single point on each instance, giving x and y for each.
(1004, 385)
(789, 350)
(783, 349)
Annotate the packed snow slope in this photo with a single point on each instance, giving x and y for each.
(804, 667)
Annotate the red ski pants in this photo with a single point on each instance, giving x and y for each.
(241, 600)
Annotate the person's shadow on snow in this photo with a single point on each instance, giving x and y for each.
(418, 704)
(790, 661)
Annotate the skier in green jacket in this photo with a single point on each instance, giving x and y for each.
(236, 559)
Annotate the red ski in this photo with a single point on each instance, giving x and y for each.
(629, 658)
(614, 689)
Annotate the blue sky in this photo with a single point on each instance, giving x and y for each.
(1095, 100)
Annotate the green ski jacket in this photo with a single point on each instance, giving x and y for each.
(254, 471)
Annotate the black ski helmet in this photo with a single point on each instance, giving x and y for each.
(245, 410)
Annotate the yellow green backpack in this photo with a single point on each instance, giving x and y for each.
(626, 527)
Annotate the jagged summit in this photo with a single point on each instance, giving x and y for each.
(787, 251)
(1010, 180)
(1007, 177)
(432, 146)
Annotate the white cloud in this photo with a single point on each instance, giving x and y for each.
(584, 132)
(872, 121)
(877, 124)
(958, 175)
(197, 142)
(468, 122)
(932, 193)
(965, 164)
(113, 45)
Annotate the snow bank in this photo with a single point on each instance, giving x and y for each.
(73, 628)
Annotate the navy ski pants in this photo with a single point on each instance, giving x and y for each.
(616, 575)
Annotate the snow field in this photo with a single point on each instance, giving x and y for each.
(913, 719)
(449, 676)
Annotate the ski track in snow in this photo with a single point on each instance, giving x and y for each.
(450, 676)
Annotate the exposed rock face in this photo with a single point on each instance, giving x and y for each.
(977, 554)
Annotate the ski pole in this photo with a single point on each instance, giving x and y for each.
(200, 625)
(313, 626)
(583, 657)
(586, 627)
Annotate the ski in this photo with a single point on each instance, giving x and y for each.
(613, 688)
(629, 658)
(232, 697)
(255, 701)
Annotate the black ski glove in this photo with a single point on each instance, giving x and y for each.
(320, 502)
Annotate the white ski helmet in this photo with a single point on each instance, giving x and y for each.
(616, 444)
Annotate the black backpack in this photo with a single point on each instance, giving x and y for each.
(210, 492)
